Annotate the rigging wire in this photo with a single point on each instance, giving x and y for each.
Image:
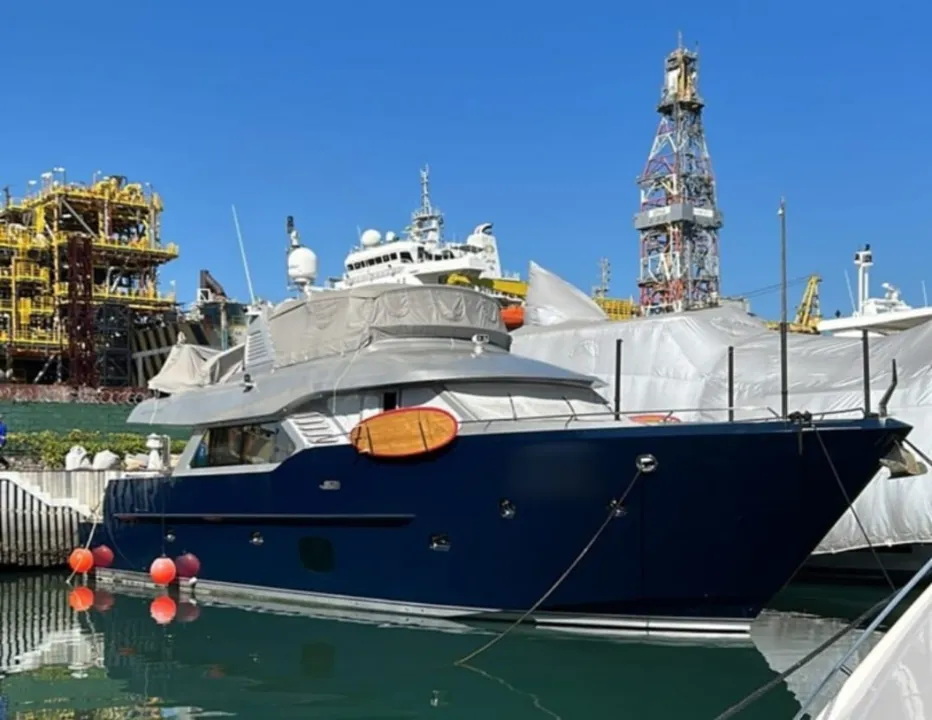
(857, 518)
(613, 509)
(767, 289)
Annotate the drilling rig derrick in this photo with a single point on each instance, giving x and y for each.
(679, 220)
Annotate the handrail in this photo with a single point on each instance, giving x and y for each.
(772, 416)
(667, 414)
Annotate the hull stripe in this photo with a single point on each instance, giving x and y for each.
(329, 520)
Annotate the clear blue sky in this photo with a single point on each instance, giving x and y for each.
(537, 117)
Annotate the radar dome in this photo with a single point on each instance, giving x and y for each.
(390, 237)
(302, 266)
(370, 238)
(479, 238)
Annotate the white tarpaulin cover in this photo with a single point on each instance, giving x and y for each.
(679, 362)
(190, 366)
(574, 303)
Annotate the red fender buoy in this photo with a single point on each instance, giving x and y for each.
(103, 556)
(188, 565)
(162, 571)
(81, 561)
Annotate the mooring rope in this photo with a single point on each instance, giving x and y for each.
(850, 502)
(614, 506)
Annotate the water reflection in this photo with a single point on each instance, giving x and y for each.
(210, 660)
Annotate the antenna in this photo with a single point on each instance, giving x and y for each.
(242, 251)
(925, 298)
(854, 307)
(784, 370)
(605, 273)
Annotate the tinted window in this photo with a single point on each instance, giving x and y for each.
(247, 445)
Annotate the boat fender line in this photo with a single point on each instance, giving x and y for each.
(96, 514)
(645, 464)
(756, 695)
(850, 503)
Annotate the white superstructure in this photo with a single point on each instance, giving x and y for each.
(421, 256)
(879, 316)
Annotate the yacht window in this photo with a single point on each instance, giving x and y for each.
(265, 444)
(378, 261)
(394, 256)
(406, 257)
(386, 258)
(389, 400)
(248, 445)
(349, 266)
(370, 262)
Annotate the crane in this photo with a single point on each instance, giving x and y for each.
(808, 313)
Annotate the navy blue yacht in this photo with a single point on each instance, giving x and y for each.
(292, 486)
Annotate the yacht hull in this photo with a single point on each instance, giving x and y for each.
(488, 525)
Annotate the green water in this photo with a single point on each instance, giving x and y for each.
(213, 661)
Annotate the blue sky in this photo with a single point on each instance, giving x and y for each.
(535, 117)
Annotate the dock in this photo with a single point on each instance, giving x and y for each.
(41, 513)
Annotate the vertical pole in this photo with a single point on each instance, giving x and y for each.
(618, 379)
(784, 371)
(731, 383)
(866, 371)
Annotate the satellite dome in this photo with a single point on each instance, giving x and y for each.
(370, 238)
(302, 266)
(479, 238)
(390, 237)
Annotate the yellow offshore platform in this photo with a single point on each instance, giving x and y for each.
(78, 271)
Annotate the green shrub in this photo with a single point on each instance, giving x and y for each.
(49, 448)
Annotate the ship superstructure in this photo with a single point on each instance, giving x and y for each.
(423, 256)
(78, 273)
(878, 315)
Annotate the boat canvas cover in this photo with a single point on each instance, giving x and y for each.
(680, 362)
(192, 366)
(345, 341)
(341, 321)
(332, 324)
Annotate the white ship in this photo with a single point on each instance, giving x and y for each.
(879, 316)
(422, 256)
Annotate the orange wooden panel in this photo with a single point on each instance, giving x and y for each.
(654, 418)
(404, 432)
